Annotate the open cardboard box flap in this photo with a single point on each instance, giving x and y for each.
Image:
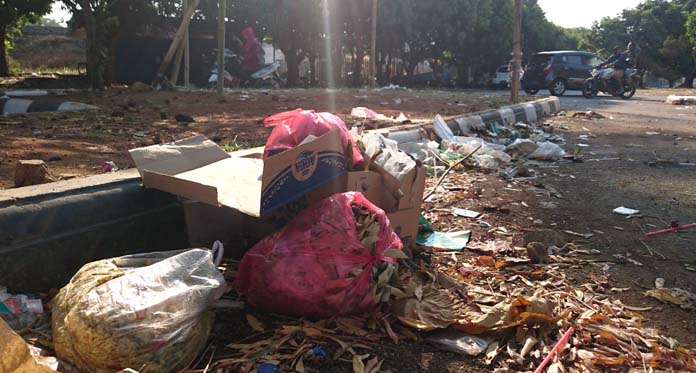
(197, 169)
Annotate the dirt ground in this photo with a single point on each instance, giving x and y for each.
(77, 144)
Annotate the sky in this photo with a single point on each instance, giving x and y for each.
(581, 13)
(566, 13)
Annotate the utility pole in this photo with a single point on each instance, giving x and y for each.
(221, 46)
(516, 52)
(187, 54)
(373, 53)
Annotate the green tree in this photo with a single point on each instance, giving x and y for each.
(659, 28)
(107, 20)
(691, 28)
(13, 14)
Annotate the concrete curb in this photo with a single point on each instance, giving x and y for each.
(462, 124)
(48, 232)
(681, 100)
(507, 115)
(9, 106)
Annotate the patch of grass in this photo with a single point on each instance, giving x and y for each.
(236, 144)
(43, 70)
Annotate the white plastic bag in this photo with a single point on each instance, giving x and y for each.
(138, 310)
(396, 162)
(521, 148)
(548, 151)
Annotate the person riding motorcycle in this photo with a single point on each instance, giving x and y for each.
(252, 55)
(618, 62)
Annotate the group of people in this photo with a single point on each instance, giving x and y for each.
(622, 60)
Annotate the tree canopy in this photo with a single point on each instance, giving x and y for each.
(14, 13)
(471, 37)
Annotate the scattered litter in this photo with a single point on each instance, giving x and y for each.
(365, 113)
(109, 166)
(521, 148)
(675, 228)
(583, 235)
(455, 341)
(466, 213)
(626, 211)
(184, 119)
(20, 310)
(451, 241)
(659, 283)
(680, 297)
(548, 151)
(587, 115)
(635, 262)
(651, 133)
(386, 153)
(515, 173)
(391, 87)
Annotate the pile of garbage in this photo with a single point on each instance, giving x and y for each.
(495, 145)
(342, 271)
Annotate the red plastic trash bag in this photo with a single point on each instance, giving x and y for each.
(293, 127)
(318, 265)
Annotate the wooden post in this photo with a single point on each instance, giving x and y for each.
(178, 38)
(516, 52)
(187, 53)
(373, 52)
(177, 64)
(221, 46)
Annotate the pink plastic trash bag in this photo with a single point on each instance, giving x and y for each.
(363, 112)
(293, 127)
(317, 266)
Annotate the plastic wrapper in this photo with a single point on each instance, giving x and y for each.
(386, 153)
(548, 151)
(334, 258)
(455, 341)
(521, 148)
(146, 312)
(293, 127)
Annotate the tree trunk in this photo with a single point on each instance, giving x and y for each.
(312, 69)
(95, 68)
(357, 67)
(671, 83)
(4, 64)
(293, 62)
(689, 82)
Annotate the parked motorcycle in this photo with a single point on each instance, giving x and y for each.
(602, 80)
(267, 76)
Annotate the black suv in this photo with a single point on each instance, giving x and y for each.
(558, 71)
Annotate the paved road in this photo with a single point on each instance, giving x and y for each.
(647, 105)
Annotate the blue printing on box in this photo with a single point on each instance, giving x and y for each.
(310, 170)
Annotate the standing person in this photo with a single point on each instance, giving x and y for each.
(252, 55)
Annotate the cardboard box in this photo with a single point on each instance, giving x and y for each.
(197, 169)
(405, 224)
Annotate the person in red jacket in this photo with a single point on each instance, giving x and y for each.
(252, 54)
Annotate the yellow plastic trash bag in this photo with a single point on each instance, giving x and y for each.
(14, 353)
(147, 312)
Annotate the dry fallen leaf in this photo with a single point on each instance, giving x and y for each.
(255, 323)
(358, 365)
